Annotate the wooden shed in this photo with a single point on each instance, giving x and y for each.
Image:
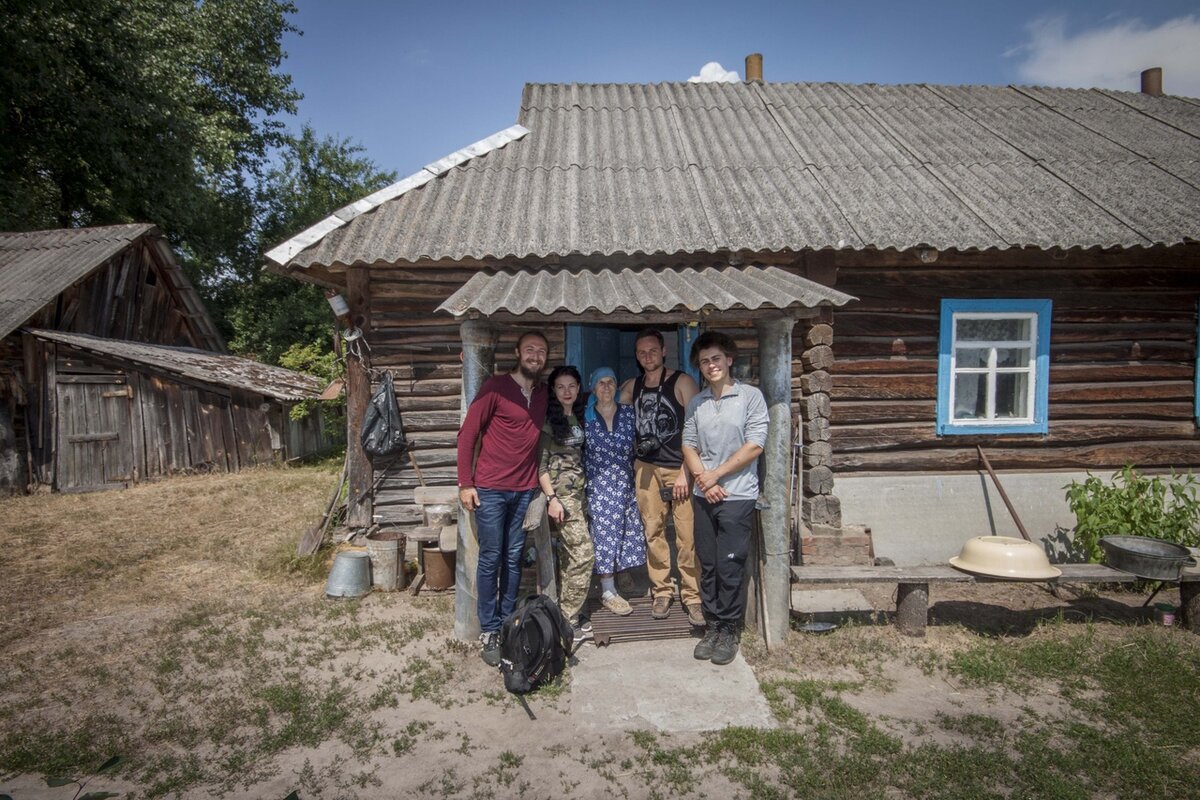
(1011, 267)
(113, 372)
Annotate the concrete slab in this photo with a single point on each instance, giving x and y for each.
(831, 605)
(659, 686)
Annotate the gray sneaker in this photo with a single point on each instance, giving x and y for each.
(580, 633)
(491, 648)
(726, 646)
(704, 648)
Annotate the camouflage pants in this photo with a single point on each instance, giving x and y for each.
(575, 555)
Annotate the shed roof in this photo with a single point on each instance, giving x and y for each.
(643, 169)
(197, 365)
(37, 266)
(637, 291)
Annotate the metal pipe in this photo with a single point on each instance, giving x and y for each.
(775, 378)
(479, 361)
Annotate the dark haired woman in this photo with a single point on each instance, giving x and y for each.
(561, 477)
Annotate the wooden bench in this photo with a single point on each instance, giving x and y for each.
(912, 586)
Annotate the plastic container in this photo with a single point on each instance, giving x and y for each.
(1164, 614)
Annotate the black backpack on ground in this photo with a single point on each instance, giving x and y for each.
(535, 643)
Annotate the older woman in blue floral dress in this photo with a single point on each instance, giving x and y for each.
(613, 517)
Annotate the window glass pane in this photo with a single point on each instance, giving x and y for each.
(970, 359)
(1012, 357)
(992, 330)
(1012, 394)
(970, 396)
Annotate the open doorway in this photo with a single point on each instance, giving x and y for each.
(593, 346)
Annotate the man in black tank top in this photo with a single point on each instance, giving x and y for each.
(660, 397)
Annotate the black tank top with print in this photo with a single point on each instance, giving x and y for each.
(660, 414)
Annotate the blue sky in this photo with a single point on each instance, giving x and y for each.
(414, 81)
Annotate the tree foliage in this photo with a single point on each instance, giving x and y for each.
(169, 111)
(312, 177)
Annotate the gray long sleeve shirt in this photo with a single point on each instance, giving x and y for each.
(716, 429)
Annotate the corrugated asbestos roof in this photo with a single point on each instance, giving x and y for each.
(665, 290)
(698, 168)
(197, 365)
(37, 266)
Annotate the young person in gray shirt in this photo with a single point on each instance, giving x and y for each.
(724, 433)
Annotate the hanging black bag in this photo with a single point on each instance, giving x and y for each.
(382, 431)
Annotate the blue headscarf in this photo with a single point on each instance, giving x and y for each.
(589, 413)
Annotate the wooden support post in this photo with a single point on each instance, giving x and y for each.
(775, 368)
(912, 608)
(479, 361)
(1189, 603)
(358, 395)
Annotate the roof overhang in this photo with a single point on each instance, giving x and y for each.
(639, 295)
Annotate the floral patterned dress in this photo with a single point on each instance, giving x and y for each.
(613, 517)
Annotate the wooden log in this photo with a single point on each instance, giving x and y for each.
(912, 608)
(815, 405)
(818, 480)
(1163, 453)
(818, 454)
(1189, 603)
(891, 366)
(1124, 390)
(824, 509)
(849, 412)
(817, 430)
(818, 334)
(851, 438)
(884, 387)
(818, 381)
(819, 357)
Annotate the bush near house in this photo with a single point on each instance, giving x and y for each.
(1132, 504)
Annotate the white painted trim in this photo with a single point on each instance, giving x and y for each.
(285, 252)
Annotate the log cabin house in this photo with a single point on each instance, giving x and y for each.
(912, 271)
(113, 372)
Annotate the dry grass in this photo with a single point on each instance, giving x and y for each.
(75, 557)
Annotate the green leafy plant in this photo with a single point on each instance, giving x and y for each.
(1132, 504)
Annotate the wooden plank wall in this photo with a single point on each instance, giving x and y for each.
(1122, 365)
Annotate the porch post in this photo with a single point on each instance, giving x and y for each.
(359, 499)
(478, 363)
(775, 377)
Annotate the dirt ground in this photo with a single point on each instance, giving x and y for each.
(183, 638)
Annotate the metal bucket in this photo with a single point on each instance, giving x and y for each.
(439, 567)
(384, 550)
(1146, 557)
(350, 575)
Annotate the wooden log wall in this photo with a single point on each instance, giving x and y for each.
(1122, 363)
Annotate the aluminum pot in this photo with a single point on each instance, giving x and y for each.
(1146, 557)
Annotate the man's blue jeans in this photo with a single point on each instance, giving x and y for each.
(499, 527)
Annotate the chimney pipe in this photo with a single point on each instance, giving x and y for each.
(754, 68)
(1151, 81)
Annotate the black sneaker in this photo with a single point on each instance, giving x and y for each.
(704, 648)
(726, 646)
(580, 633)
(491, 648)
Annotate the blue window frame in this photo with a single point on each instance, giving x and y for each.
(993, 366)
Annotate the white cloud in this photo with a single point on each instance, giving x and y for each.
(712, 72)
(1112, 55)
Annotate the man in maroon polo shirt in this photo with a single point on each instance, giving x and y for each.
(503, 424)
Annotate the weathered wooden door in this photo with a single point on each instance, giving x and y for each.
(95, 436)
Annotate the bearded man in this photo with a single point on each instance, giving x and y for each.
(503, 424)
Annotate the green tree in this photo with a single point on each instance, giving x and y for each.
(143, 110)
(313, 177)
